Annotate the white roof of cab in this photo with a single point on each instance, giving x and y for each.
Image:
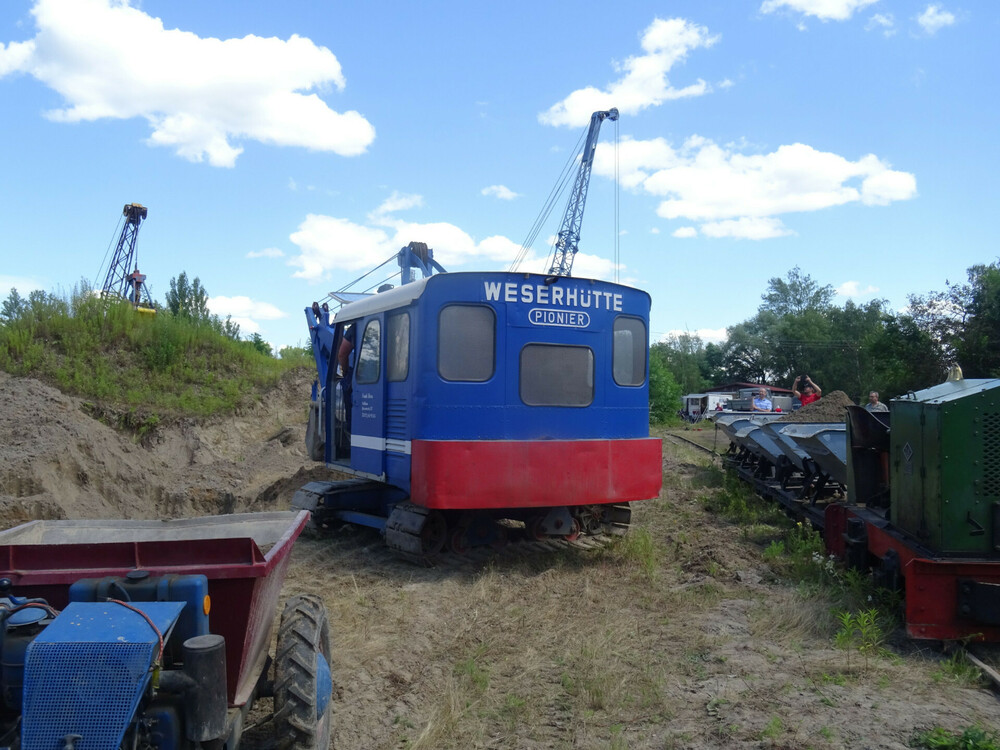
(387, 300)
(403, 295)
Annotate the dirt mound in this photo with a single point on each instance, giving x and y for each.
(56, 461)
(830, 408)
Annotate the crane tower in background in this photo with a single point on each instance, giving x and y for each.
(568, 239)
(124, 279)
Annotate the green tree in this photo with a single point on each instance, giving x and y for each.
(796, 294)
(976, 349)
(187, 299)
(258, 343)
(228, 327)
(683, 355)
(712, 365)
(964, 320)
(905, 357)
(744, 352)
(664, 391)
(13, 306)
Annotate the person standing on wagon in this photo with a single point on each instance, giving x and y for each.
(810, 391)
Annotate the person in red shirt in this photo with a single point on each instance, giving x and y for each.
(810, 391)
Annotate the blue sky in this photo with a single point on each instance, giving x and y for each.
(284, 149)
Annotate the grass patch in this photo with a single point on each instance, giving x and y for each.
(640, 549)
(136, 368)
(970, 738)
(737, 502)
(959, 670)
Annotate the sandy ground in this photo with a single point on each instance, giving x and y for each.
(679, 636)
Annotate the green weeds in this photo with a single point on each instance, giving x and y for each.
(958, 669)
(139, 367)
(860, 632)
(738, 503)
(970, 738)
(639, 547)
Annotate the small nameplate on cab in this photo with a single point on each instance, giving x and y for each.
(541, 316)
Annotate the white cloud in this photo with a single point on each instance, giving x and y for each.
(587, 266)
(934, 18)
(825, 10)
(244, 311)
(854, 289)
(644, 83)
(328, 244)
(267, 252)
(201, 96)
(244, 307)
(884, 21)
(396, 202)
(684, 233)
(654, 230)
(747, 228)
(883, 186)
(726, 83)
(738, 194)
(502, 192)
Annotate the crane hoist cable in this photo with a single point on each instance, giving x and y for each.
(567, 240)
(617, 209)
(369, 273)
(111, 242)
(550, 202)
(386, 280)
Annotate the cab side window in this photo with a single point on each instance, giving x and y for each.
(367, 370)
(398, 354)
(629, 357)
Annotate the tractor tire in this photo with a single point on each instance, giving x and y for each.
(299, 675)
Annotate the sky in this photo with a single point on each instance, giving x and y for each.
(285, 149)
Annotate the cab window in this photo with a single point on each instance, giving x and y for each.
(629, 357)
(466, 342)
(555, 375)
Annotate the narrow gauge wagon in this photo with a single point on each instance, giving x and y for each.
(918, 502)
(474, 397)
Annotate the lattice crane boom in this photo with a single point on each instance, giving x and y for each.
(568, 239)
(123, 279)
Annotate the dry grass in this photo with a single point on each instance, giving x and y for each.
(677, 635)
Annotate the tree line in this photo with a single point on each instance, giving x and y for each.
(856, 348)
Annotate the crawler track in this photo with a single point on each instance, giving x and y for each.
(517, 547)
(426, 536)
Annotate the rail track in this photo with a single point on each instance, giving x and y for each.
(801, 506)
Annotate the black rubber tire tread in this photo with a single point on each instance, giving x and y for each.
(303, 637)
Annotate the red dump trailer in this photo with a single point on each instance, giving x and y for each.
(164, 627)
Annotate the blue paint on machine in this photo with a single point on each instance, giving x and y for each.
(471, 356)
(523, 396)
